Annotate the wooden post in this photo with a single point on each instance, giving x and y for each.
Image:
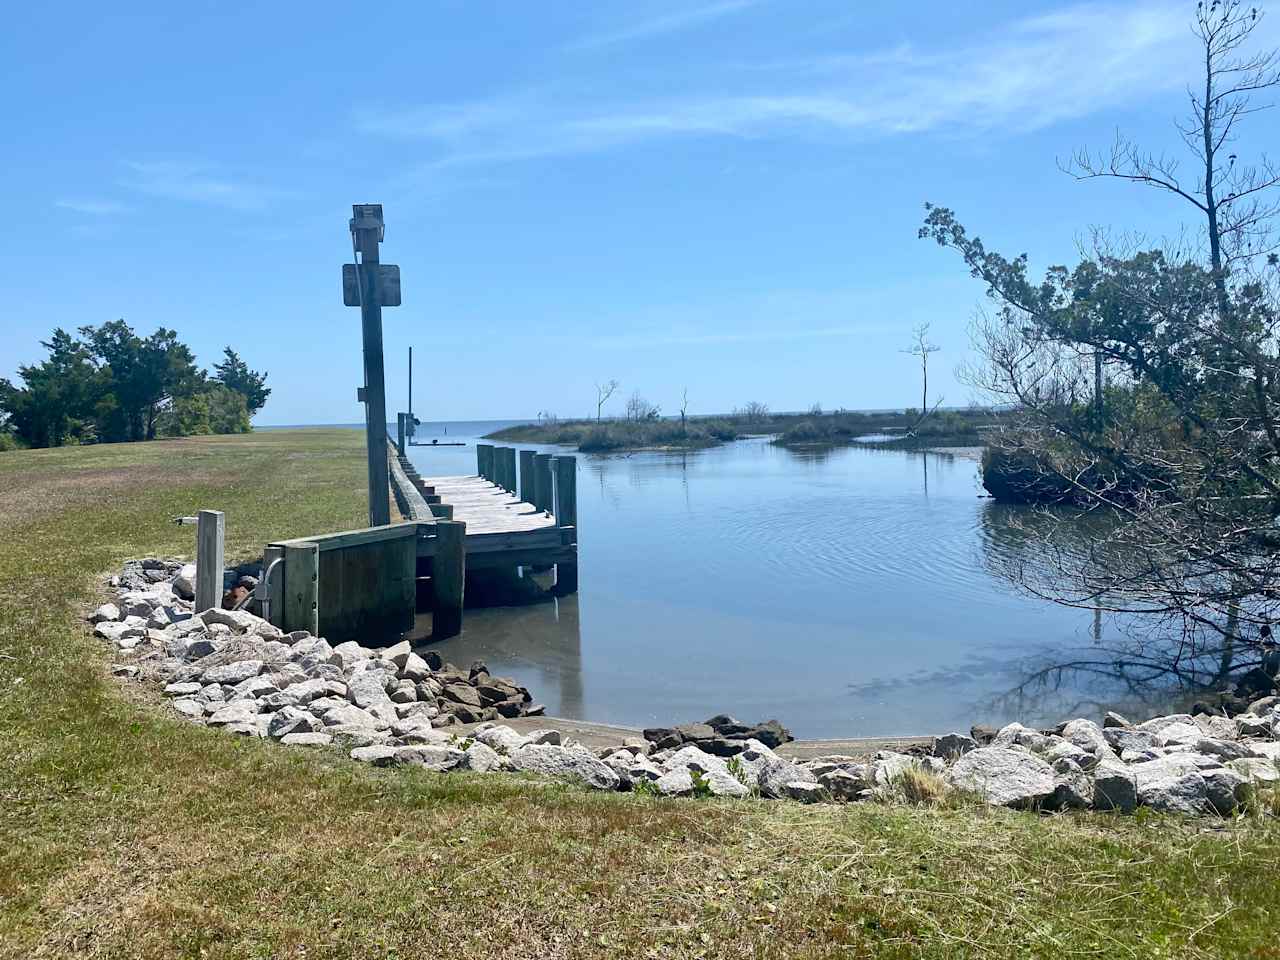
(273, 588)
(302, 587)
(526, 476)
(542, 481)
(567, 517)
(484, 460)
(441, 511)
(210, 559)
(400, 433)
(509, 468)
(500, 466)
(448, 578)
(370, 285)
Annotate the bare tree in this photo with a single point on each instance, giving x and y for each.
(684, 408)
(1179, 477)
(753, 412)
(921, 347)
(1232, 197)
(638, 408)
(603, 392)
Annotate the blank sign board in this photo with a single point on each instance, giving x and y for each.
(387, 285)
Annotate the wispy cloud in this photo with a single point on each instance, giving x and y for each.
(670, 23)
(94, 208)
(1021, 76)
(195, 182)
(668, 338)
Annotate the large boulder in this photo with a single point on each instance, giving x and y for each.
(1003, 776)
(953, 745)
(184, 584)
(233, 713)
(776, 775)
(1172, 784)
(289, 720)
(233, 673)
(565, 763)
(1114, 787)
(1088, 736)
(502, 739)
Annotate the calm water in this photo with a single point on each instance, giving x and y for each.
(847, 593)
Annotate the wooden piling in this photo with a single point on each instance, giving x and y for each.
(542, 481)
(210, 559)
(302, 587)
(448, 578)
(526, 476)
(566, 470)
(511, 470)
(484, 460)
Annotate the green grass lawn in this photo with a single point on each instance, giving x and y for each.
(129, 834)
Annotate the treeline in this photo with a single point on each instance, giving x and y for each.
(109, 385)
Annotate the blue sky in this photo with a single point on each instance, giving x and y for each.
(721, 195)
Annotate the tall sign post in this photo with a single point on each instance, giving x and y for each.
(371, 285)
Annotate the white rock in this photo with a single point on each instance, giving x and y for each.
(566, 763)
(1114, 787)
(235, 712)
(233, 673)
(502, 739)
(432, 756)
(1015, 734)
(417, 709)
(379, 756)
(108, 613)
(351, 651)
(349, 715)
(184, 584)
(1156, 724)
(289, 720)
(115, 631)
(189, 707)
(241, 621)
(188, 689)
(480, 759)
(1088, 736)
(1172, 784)
(414, 668)
(632, 768)
(1187, 734)
(1256, 769)
(775, 775)
(306, 739)
(1003, 776)
(1251, 725)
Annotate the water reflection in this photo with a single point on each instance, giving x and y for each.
(846, 591)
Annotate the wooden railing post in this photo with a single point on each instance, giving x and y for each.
(302, 587)
(484, 460)
(542, 481)
(509, 469)
(567, 517)
(448, 578)
(210, 558)
(526, 476)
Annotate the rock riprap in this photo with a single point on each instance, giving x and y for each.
(233, 671)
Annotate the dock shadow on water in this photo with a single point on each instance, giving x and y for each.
(846, 591)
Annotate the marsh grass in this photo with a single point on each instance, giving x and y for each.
(127, 833)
